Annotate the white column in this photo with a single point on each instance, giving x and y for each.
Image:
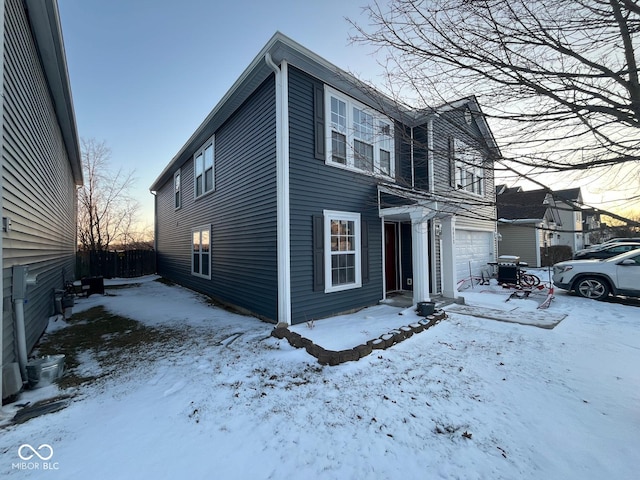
(420, 255)
(447, 255)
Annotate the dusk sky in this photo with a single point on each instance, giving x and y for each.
(145, 73)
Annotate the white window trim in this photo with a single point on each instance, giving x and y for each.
(377, 117)
(201, 229)
(178, 190)
(468, 160)
(347, 216)
(210, 142)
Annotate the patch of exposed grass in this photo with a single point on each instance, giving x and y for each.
(115, 342)
(164, 281)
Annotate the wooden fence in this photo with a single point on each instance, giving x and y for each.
(120, 264)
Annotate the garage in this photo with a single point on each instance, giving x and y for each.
(476, 247)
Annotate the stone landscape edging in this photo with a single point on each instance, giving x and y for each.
(336, 357)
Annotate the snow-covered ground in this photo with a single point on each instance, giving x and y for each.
(471, 398)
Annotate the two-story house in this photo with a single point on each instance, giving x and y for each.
(304, 194)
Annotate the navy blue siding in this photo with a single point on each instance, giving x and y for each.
(421, 157)
(241, 211)
(315, 186)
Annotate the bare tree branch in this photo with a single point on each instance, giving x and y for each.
(558, 77)
(106, 210)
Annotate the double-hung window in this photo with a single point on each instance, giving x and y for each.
(468, 168)
(342, 251)
(204, 168)
(201, 248)
(358, 137)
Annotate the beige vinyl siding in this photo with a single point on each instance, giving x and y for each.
(39, 194)
(519, 240)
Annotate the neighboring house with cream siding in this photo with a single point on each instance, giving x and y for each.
(530, 221)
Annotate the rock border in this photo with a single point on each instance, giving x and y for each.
(333, 357)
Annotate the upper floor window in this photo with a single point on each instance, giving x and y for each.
(204, 168)
(358, 137)
(468, 168)
(177, 190)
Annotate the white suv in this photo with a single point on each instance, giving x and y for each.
(596, 279)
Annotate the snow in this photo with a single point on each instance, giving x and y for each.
(470, 398)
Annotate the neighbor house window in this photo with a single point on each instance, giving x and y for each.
(177, 190)
(359, 137)
(469, 170)
(342, 251)
(201, 256)
(204, 168)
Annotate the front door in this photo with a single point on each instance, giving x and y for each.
(391, 256)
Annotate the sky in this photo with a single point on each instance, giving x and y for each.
(145, 73)
(470, 398)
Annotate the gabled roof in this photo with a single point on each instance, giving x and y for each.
(515, 204)
(571, 194)
(280, 47)
(520, 205)
(470, 103)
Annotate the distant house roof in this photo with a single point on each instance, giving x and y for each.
(502, 188)
(571, 194)
(519, 205)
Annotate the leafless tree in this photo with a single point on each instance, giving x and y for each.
(106, 210)
(559, 78)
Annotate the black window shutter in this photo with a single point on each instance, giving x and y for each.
(318, 253)
(318, 117)
(452, 163)
(365, 251)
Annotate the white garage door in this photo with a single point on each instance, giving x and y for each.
(473, 247)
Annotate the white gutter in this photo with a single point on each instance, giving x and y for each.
(282, 182)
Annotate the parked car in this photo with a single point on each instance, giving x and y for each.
(606, 251)
(610, 242)
(596, 279)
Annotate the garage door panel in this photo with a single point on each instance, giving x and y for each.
(475, 248)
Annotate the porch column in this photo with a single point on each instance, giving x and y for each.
(448, 257)
(420, 255)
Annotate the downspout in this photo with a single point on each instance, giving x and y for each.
(20, 282)
(282, 189)
(155, 224)
(21, 337)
